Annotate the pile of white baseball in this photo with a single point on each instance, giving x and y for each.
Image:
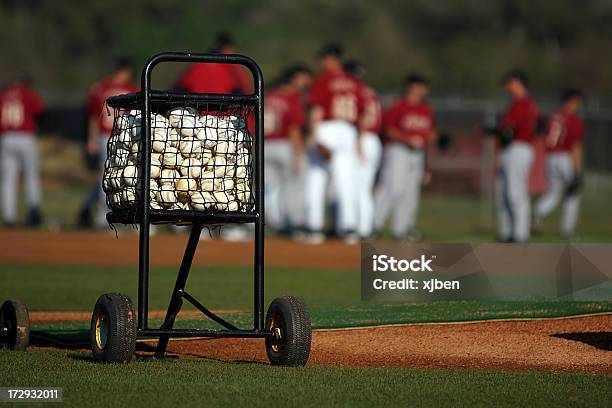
(198, 162)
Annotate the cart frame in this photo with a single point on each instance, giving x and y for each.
(144, 216)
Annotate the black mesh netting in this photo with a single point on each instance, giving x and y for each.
(201, 159)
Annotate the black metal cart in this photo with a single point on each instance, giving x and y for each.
(206, 153)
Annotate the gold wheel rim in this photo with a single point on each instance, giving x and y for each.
(277, 326)
(101, 331)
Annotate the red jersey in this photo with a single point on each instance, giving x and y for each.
(340, 96)
(522, 118)
(216, 78)
(19, 107)
(96, 102)
(283, 111)
(565, 130)
(413, 121)
(372, 114)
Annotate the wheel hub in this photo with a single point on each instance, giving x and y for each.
(277, 326)
(101, 331)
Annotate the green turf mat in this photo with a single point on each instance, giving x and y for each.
(365, 314)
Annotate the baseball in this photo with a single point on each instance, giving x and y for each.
(208, 121)
(171, 158)
(225, 148)
(219, 166)
(190, 147)
(226, 184)
(222, 200)
(156, 168)
(153, 188)
(240, 172)
(116, 200)
(191, 167)
(120, 158)
(182, 117)
(128, 196)
(208, 136)
(233, 206)
(135, 148)
(169, 176)
(207, 156)
(116, 178)
(201, 200)
(184, 186)
(130, 176)
(173, 137)
(166, 195)
(156, 157)
(124, 137)
(207, 181)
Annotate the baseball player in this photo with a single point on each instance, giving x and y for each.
(516, 133)
(217, 78)
(371, 151)
(100, 123)
(563, 163)
(336, 105)
(284, 158)
(410, 128)
(20, 109)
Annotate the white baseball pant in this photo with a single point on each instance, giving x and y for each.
(512, 192)
(400, 188)
(340, 138)
(19, 152)
(284, 186)
(371, 148)
(560, 173)
(100, 219)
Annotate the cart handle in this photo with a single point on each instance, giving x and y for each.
(235, 59)
(143, 263)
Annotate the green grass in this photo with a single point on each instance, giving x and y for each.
(332, 295)
(210, 383)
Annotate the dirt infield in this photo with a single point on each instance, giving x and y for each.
(103, 248)
(579, 344)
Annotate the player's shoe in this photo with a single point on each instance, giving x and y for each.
(34, 218)
(351, 238)
(413, 235)
(236, 233)
(314, 238)
(536, 226)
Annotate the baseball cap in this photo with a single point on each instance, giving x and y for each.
(293, 69)
(121, 62)
(516, 74)
(331, 50)
(570, 93)
(415, 78)
(223, 40)
(354, 68)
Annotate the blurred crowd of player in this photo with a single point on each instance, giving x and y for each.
(330, 149)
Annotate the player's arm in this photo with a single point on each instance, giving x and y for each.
(577, 158)
(297, 145)
(93, 124)
(315, 116)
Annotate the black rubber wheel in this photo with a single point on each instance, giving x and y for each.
(289, 320)
(15, 326)
(113, 329)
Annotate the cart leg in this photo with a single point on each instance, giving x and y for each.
(258, 295)
(175, 301)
